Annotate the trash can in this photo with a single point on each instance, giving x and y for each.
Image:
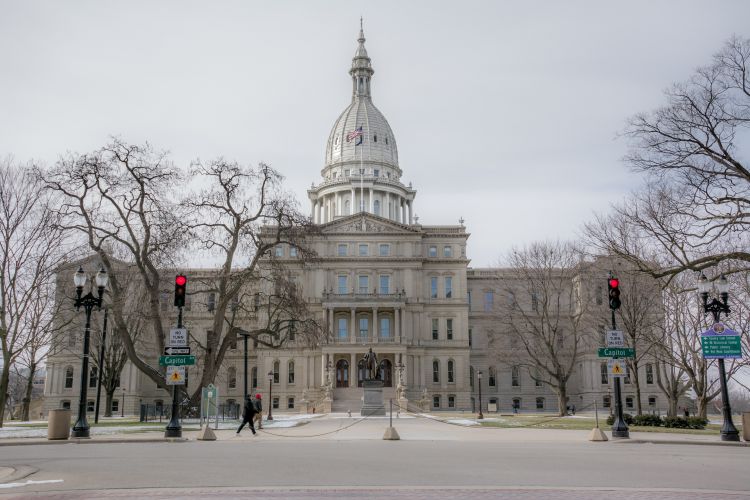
(58, 424)
(746, 426)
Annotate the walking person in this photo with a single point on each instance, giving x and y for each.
(248, 414)
(258, 411)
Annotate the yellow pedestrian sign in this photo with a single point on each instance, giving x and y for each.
(175, 375)
(617, 367)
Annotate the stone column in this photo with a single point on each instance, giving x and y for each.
(408, 203)
(354, 326)
(353, 370)
(322, 373)
(375, 330)
(372, 209)
(331, 319)
(397, 322)
(312, 210)
(352, 210)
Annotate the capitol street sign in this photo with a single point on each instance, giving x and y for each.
(616, 352)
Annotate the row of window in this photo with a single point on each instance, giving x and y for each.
(629, 401)
(342, 326)
(604, 371)
(447, 287)
(384, 250)
(68, 384)
(436, 328)
(232, 374)
(363, 284)
(515, 377)
(91, 405)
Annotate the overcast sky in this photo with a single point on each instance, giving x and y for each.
(505, 113)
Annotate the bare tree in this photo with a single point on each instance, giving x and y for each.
(695, 210)
(120, 198)
(32, 245)
(543, 314)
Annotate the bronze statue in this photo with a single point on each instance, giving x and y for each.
(371, 365)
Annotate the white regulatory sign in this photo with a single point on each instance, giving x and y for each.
(617, 367)
(175, 375)
(178, 337)
(615, 338)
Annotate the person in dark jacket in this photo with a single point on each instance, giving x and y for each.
(258, 411)
(248, 413)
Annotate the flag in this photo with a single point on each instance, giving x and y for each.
(355, 134)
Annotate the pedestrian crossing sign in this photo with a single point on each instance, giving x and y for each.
(175, 375)
(617, 367)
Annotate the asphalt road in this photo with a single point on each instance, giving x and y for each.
(492, 467)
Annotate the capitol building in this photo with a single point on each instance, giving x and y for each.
(384, 281)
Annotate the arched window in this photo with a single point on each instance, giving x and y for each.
(471, 378)
(436, 371)
(492, 377)
(377, 207)
(69, 377)
(386, 373)
(232, 377)
(342, 373)
(451, 377)
(276, 372)
(92, 377)
(254, 376)
(290, 372)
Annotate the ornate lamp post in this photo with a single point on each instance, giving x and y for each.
(716, 307)
(270, 394)
(479, 381)
(88, 301)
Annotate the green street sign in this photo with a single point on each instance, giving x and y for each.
(176, 360)
(616, 352)
(717, 346)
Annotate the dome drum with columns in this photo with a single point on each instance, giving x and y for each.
(361, 172)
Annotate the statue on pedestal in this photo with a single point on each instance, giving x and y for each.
(371, 365)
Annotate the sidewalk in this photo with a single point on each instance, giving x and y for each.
(344, 428)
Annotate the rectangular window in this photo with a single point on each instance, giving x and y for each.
(364, 284)
(607, 401)
(115, 406)
(290, 403)
(432, 251)
(448, 287)
(435, 329)
(363, 250)
(342, 249)
(342, 285)
(433, 287)
(534, 302)
(604, 371)
(346, 173)
(384, 249)
(539, 403)
(385, 284)
(629, 402)
(436, 401)
(211, 305)
(449, 328)
(537, 378)
(292, 251)
(364, 327)
(343, 330)
(649, 373)
(468, 298)
(489, 301)
(65, 405)
(652, 401)
(447, 251)
(90, 405)
(515, 378)
(451, 401)
(385, 327)
(275, 403)
(626, 378)
(279, 251)
(470, 339)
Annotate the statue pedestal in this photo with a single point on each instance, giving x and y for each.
(373, 401)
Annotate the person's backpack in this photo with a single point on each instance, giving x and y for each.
(258, 405)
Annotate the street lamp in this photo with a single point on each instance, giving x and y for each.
(479, 379)
(716, 307)
(270, 394)
(88, 301)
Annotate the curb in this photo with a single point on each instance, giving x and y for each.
(30, 442)
(676, 441)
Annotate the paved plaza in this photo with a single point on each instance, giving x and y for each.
(339, 457)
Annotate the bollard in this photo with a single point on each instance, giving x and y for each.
(390, 432)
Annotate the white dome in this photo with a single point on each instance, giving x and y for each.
(361, 134)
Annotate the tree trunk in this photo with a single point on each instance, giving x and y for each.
(637, 383)
(672, 411)
(702, 402)
(4, 381)
(108, 403)
(27, 396)
(562, 399)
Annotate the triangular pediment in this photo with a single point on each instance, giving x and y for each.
(366, 223)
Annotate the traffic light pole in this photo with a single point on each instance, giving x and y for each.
(174, 429)
(619, 427)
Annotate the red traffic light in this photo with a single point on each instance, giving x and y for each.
(614, 282)
(180, 280)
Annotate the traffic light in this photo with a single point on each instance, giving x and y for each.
(614, 292)
(180, 282)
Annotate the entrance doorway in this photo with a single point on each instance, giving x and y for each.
(386, 373)
(342, 373)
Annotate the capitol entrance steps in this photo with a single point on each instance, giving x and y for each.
(350, 399)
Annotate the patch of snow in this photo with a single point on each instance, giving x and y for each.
(29, 483)
(462, 421)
